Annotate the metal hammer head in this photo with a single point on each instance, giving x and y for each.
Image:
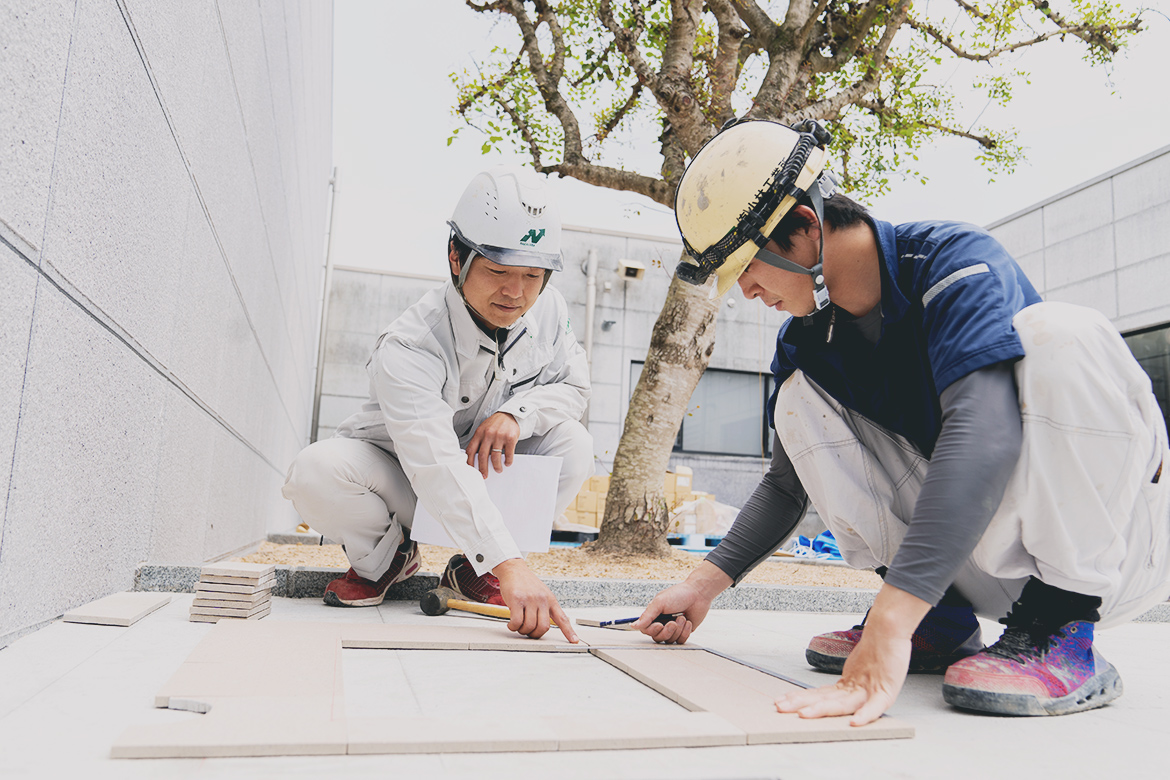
(434, 602)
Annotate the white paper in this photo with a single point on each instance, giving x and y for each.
(526, 495)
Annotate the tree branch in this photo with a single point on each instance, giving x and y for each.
(987, 142)
(612, 178)
(725, 69)
(549, 87)
(846, 50)
(607, 128)
(757, 20)
(627, 42)
(523, 128)
(1093, 35)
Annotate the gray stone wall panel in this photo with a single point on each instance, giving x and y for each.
(119, 199)
(33, 57)
(1142, 287)
(1145, 234)
(18, 283)
(1141, 187)
(1023, 235)
(1099, 293)
(1076, 259)
(1078, 212)
(79, 509)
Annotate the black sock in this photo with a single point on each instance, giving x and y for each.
(1048, 607)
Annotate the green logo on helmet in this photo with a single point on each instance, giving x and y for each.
(533, 236)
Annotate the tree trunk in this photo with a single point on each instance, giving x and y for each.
(636, 516)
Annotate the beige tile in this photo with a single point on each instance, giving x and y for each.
(608, 637)
(776, 727)
(197, 617)
(250, 603)
(629, 732)
(238, 598)
(119, 609)
(244, 611)
(239, 569)
(255, 582)
(260, 726)
(439, 735)
(221, 587)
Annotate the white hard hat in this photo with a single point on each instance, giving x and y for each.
(508, 215)
(736, 191)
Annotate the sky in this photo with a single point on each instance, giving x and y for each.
(398, 179)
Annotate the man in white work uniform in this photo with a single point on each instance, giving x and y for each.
(480, 369)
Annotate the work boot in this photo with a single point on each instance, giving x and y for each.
(461, 578)
(947, 634)
(1038, 666)
(352, 590)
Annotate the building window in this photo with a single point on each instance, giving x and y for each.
(1151, 347)
(725, 415)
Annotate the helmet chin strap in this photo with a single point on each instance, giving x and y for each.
(817, 195)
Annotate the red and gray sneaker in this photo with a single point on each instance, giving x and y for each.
(353, 590)
(461, 578)
(947, 634)
(1031, 672)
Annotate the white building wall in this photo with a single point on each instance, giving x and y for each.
(164, 171)
(1104, 244)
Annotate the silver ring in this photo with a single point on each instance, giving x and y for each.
(497, 450)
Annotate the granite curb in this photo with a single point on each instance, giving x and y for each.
(304, 582)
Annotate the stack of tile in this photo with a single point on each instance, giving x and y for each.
(239, 591)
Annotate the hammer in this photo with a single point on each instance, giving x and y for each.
(440, 600)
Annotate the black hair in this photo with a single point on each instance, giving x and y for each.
(840, 211)
(462, 248)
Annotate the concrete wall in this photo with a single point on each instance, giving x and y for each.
(1104, 244)
(362, 303)
(164, 173)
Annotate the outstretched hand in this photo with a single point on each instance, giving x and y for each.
(876, 669)
(533, 606)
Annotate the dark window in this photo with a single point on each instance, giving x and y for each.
(725, 415)
(1151, 347)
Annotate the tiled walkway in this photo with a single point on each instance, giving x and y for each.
(69, 690)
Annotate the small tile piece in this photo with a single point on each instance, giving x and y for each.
(631, 732)
(119, 609)
(234, 600)
(246, 611)
(252, 582)
(200, 618)
(239, 569)
(220, 587)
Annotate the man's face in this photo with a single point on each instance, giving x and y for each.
(500, 294)
(778, 289)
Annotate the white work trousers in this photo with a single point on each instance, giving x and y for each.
(356, 493)
(1081, 511)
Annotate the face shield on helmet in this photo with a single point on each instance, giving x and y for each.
(507, 214)
(738, 188)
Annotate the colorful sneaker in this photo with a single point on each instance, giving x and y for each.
(355, 591)
(1030, 673)
(461, 578)
(947, 634)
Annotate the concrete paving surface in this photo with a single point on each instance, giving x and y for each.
(68, 691)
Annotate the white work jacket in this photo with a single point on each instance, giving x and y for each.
(435, 376)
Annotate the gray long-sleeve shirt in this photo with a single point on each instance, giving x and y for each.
(973, 459)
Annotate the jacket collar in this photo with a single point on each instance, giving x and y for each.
(895, 304)
(468, 337)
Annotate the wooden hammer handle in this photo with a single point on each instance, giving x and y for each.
(492, 610)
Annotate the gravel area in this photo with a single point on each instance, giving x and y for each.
(577, 563)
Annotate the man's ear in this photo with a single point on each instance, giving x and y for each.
(810, 227)
(453, 257)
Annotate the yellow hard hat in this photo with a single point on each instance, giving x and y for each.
(738, 188)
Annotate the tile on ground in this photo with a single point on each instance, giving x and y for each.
(119, 609)
(436, 735)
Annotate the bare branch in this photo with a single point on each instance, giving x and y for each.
(589, 71)
(725, 69)
(987, 142)
(846, 50)
(757, 20)
(557, 67)
(615, 179)
(805, 34)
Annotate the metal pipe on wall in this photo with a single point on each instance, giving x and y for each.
(590, 305)
(326, 288)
